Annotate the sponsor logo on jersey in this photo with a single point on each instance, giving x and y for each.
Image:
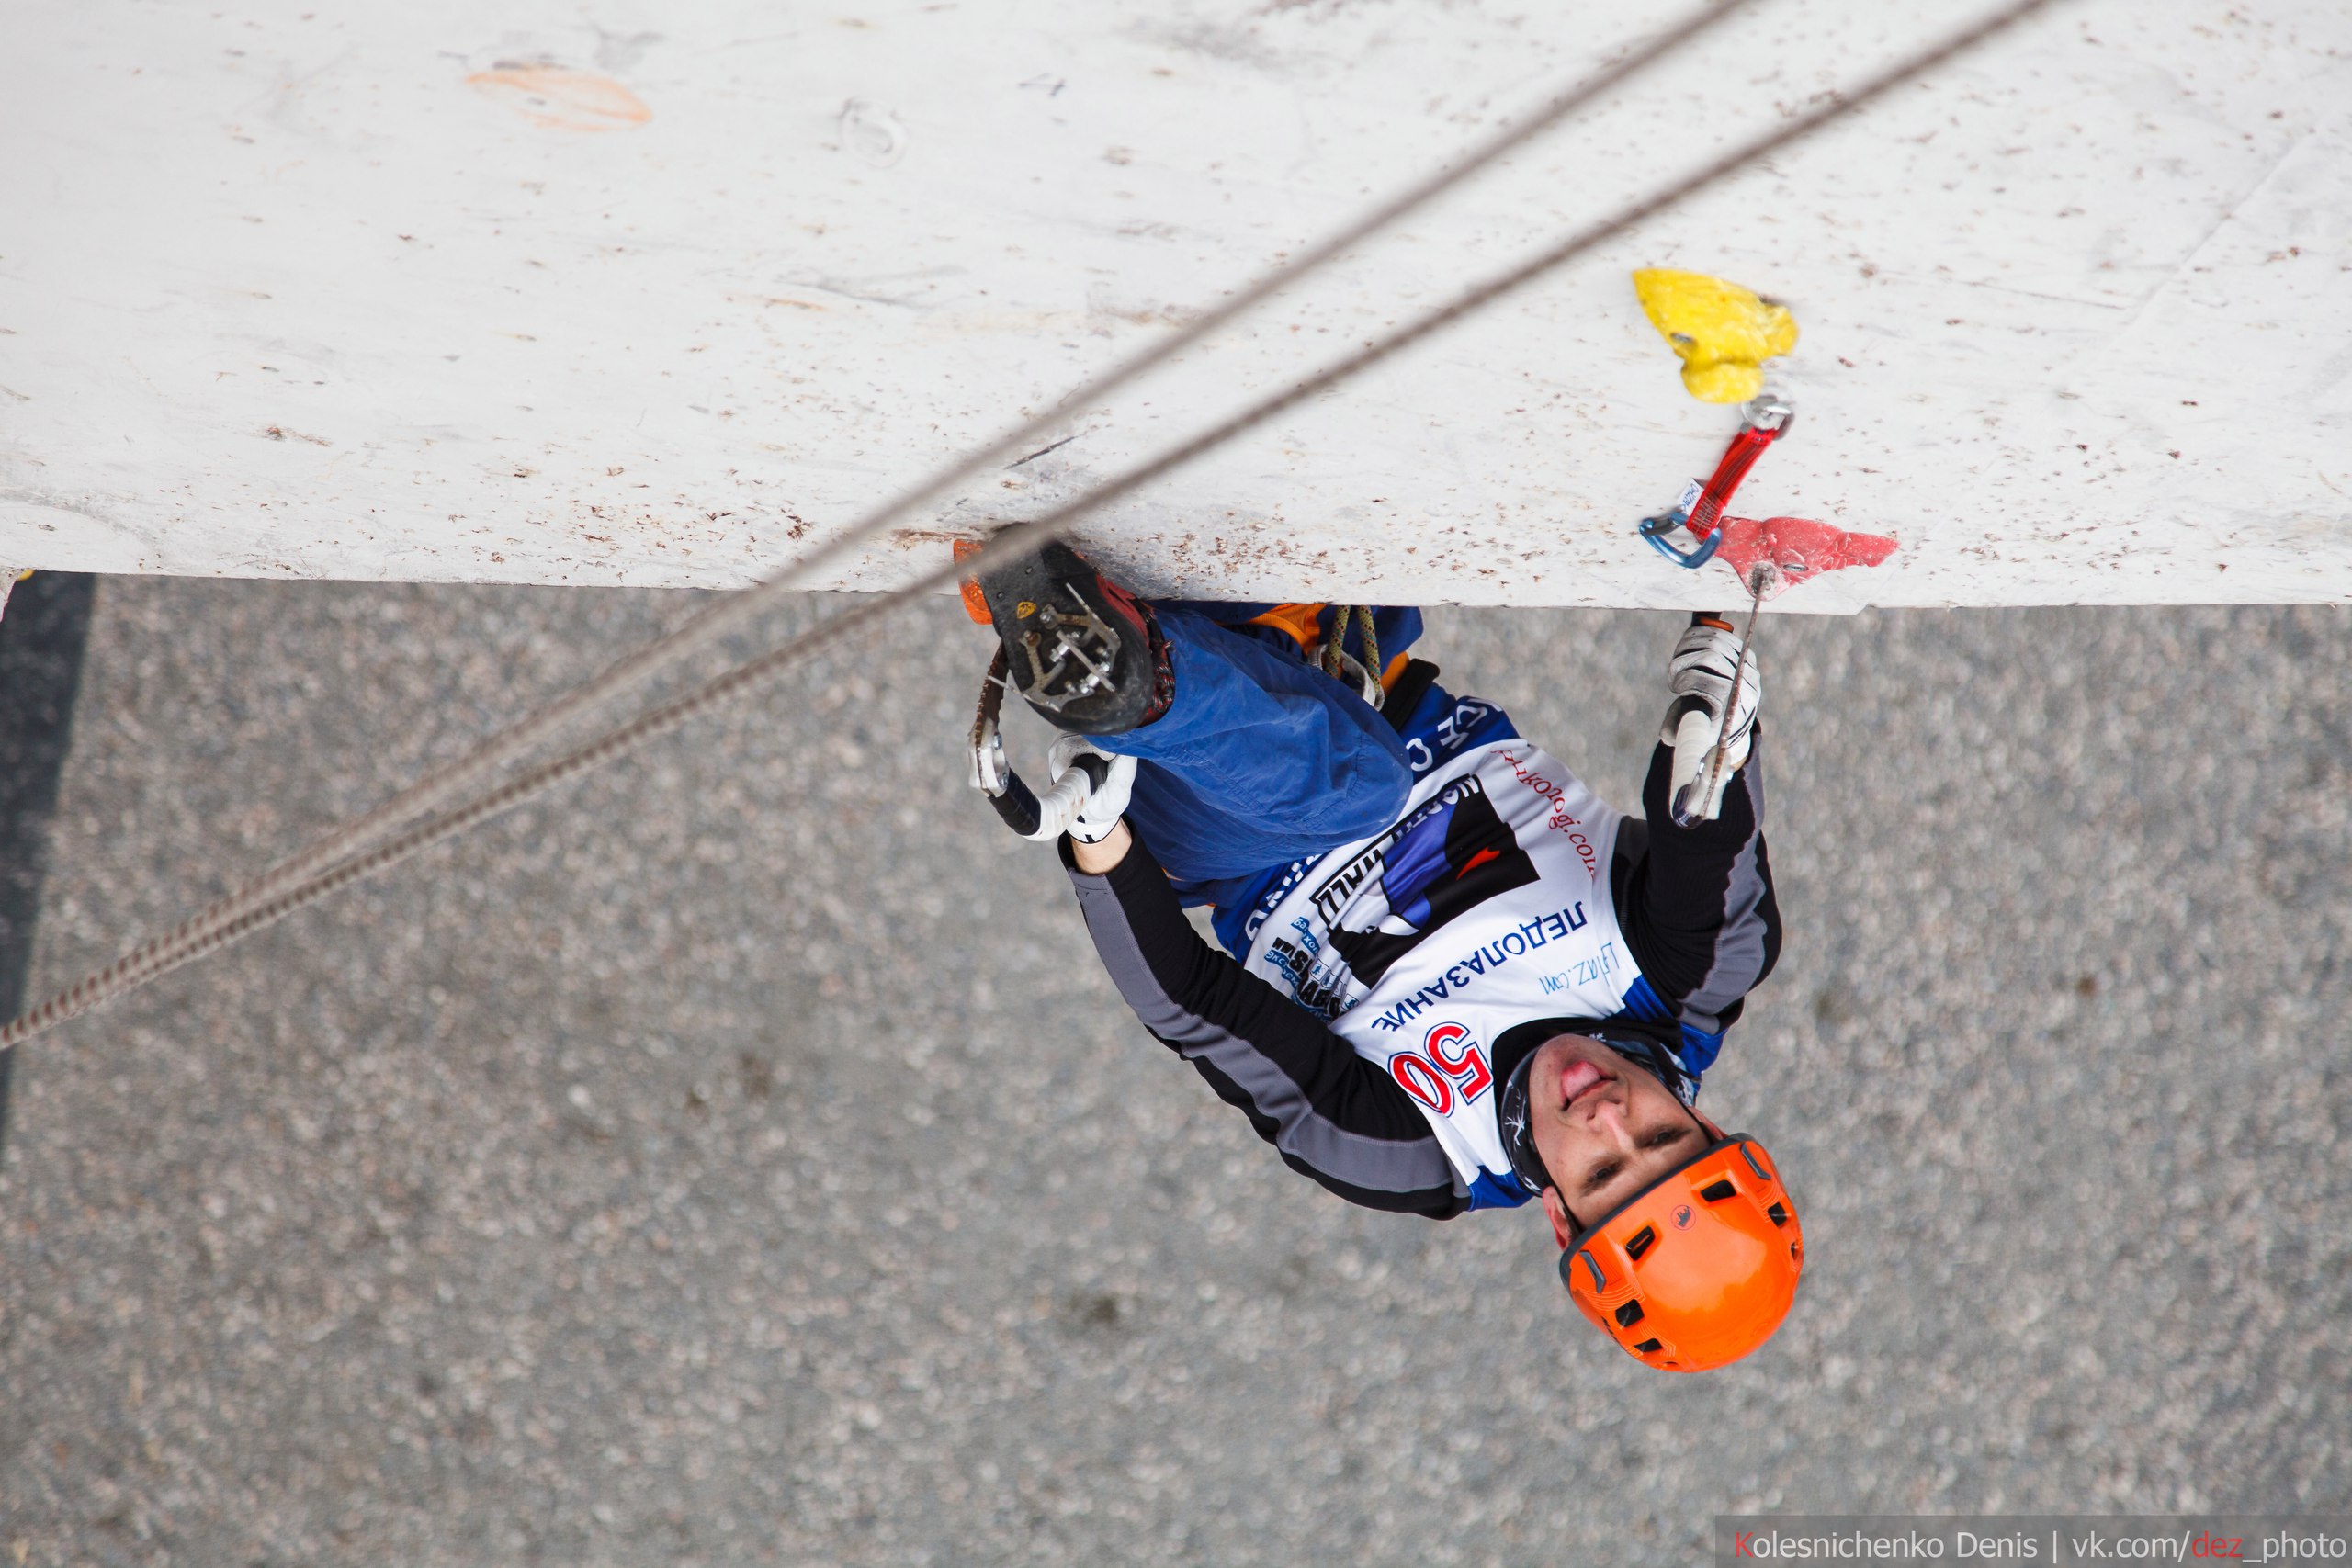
(1448, 861)
(1470, 720)
(1562, 819)
(1482, 960)
(1331, 895)
(1316, 984)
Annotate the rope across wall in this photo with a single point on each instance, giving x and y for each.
(438, 807)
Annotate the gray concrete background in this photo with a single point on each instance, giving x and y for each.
(738, 1158)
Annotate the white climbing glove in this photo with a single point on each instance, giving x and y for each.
(1699, 676)
(1099, 781)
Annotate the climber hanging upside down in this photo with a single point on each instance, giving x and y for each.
(1458, 979)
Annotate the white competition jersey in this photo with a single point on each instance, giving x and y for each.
(1486, 905)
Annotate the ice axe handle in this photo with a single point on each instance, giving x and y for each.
(1018, 806)
(1694, 741)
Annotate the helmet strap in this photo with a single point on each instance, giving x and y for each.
(1519, 1137)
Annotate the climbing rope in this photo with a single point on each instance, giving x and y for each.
(1337, 663)
(436, 790)
(336, 860)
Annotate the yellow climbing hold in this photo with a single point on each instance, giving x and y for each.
(1723, 332)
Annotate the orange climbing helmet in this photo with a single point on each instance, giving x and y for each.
(1696, 1269)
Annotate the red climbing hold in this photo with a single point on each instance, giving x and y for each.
(1798, 548)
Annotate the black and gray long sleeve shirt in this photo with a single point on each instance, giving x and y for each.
(1379, 996)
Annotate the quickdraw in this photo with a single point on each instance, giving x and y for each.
(1763, 421)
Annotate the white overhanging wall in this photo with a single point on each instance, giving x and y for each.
(519, 290)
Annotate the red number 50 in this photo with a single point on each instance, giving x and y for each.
(1461, 1066)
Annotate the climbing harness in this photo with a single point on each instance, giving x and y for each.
(1763, 420)
(438, 806)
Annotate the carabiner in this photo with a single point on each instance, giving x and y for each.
(1763, 420)
(1658, 529)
